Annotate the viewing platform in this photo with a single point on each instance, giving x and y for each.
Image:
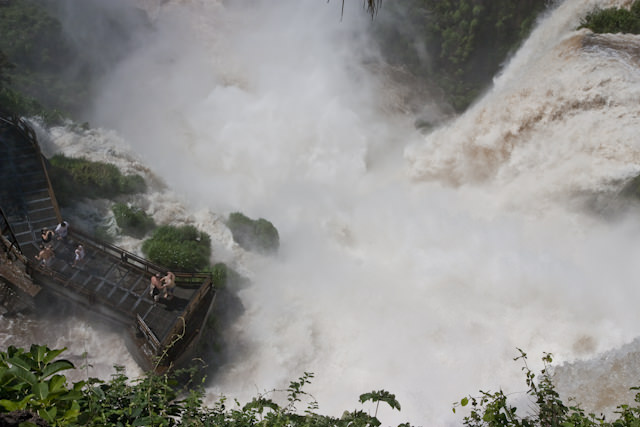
(109, 280)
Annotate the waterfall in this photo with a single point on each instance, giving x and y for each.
(412, 262)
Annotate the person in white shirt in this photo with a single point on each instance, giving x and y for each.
(62, 230)
(79, 255)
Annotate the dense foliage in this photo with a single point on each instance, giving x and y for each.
(459, 44)
(543, 408)
(5, 67)
(51, 71)
(132, 220)
(614, 20)
(463, 44)
(182, 248)
(75, 178)
(259, 235)
(37, 56)
(30, 381)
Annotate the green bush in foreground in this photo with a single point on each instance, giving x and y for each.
(29, 381)
(545, 408)
(181, 248)
(614, 20)
(259, 235)
(73, 179)
(132, 220)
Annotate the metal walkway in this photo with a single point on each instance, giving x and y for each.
(109, 280)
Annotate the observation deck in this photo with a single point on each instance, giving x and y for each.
(110, 280)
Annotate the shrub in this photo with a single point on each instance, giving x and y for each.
(175, 398)
(181, 248)
(493, 409)
(251, 234)
(30, 381)
(613, 20)
(132, 220)
(219, 274)
(73, 179)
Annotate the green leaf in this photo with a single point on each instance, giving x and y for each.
(41, 390)
(464, 401)
(24, 374)
(15, 406)
(57, 366)
(71, 395)
(72, 413)
(49, 415)
(144, 421)
(57, 383)
(38, 352)
(52, 354)
(23, 362)
(381, 396)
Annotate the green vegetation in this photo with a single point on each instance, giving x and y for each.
(259, 235)
(493, 409)
(5, 67)
(465, 41)
(181, 248)
(48, 72)
(36, 64)
(221, 275)
(30, 381)
(73, 179)
(132, 220)
(614, 20)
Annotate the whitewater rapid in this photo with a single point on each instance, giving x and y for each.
(408, 262)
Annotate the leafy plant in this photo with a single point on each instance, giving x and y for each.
(174, 398)
(41, 80)
(381, 396)
(493, 409)
(613, 20)
(260, 234)
(30, 380)
(132, 220)
(459, 45)
(181, 248)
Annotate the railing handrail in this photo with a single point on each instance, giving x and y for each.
(127, 257)
(186, 313)
(27, 131)
(6, 227)
(155, 342)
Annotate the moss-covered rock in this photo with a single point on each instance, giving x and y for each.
(74, 178)
(259, 235)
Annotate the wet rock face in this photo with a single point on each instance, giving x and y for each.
(15, 418)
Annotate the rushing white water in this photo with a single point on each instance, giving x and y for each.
(417, 264)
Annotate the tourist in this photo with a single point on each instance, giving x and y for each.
(62, 230)
(155, 286)
(79, 255)
(47, 235)
(169, 284)
(45, 256)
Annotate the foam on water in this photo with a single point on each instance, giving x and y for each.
(411, 263)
